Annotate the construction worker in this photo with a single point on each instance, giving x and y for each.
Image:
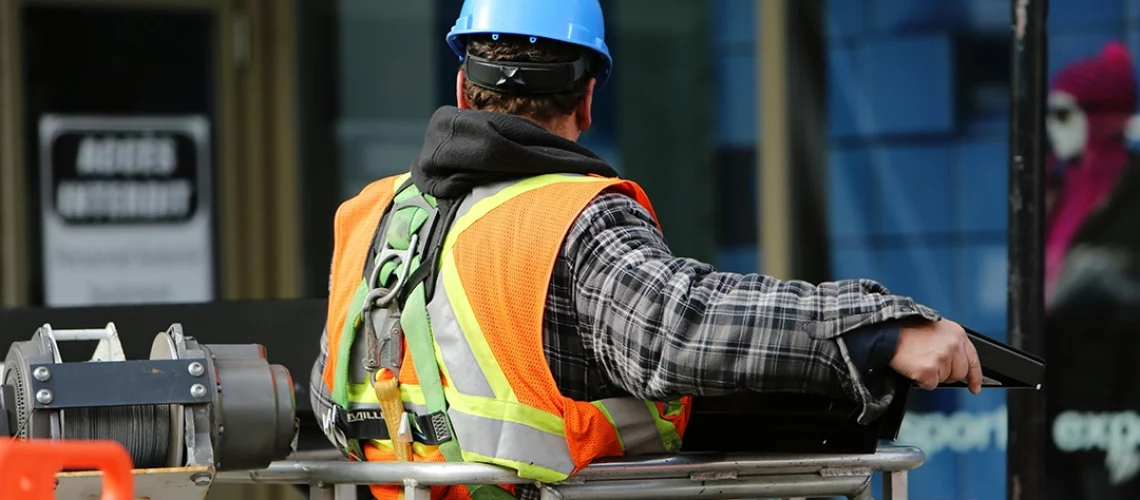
(511, 301)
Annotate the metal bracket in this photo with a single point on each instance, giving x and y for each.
(143, 382)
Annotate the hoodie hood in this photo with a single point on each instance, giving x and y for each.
(464, 149)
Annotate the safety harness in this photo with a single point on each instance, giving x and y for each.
(399, 280)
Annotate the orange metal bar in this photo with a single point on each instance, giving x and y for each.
(28, 468)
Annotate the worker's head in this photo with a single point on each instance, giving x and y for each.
(541, 60)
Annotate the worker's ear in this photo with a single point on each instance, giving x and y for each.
(460, 95)
(585, 107)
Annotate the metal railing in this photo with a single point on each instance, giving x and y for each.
(696, 476)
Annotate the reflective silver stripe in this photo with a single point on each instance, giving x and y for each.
(467, 377)
(511, 441)
(479, 194)
(635, 425)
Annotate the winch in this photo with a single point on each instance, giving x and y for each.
(204, 408)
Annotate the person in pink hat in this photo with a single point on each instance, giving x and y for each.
(1092, 264)
(1090, 104)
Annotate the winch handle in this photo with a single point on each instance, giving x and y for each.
(28, 468)
(82, 334)
(109, 348)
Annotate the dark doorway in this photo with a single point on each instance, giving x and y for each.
(111, 61)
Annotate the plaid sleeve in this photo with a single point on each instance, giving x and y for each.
(662, 326)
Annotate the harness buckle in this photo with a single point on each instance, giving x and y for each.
(331, 428)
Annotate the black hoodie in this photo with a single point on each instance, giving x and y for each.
(464, 149)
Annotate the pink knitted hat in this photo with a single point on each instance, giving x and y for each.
(1105, 82)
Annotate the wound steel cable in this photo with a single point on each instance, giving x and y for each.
(144, 430)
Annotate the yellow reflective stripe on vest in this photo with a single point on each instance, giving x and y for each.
(665, 429)
(526, 470)
(484, 206)
(636, 426)
(364, 396)
(505, 410)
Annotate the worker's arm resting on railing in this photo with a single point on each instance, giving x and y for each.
(661, 326)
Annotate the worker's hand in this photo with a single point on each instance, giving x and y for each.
(931, 353)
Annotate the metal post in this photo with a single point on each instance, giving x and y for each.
(13, 179)
(1026, 445)
(345, 492)
(413, 490)
(895, 485)
(774, 162)
(321, 491)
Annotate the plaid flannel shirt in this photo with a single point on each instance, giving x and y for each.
(624, 316)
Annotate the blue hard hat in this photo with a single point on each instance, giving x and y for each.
(579, 22)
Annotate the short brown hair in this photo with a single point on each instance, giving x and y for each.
(515, 48)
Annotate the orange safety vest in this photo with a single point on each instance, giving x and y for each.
(486, 316)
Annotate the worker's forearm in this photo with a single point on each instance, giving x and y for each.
(663, 326)
(668, 328)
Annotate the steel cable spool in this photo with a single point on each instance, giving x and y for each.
(168, 411)
(144, 430)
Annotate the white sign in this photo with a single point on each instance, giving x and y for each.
(126, 210)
